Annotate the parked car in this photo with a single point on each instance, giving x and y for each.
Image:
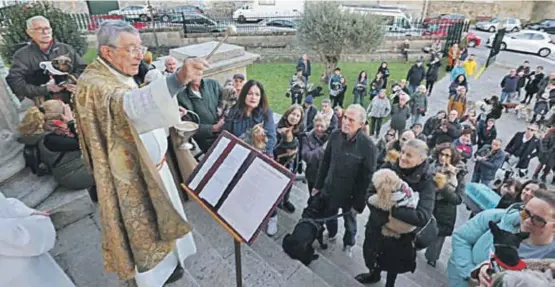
(445, 19)
(546, 25)
(441, 31)
(96, 20)
(277, 25)
(136, 12)
(510, 24)
(197, 23)
(165, 14)
(528, 41)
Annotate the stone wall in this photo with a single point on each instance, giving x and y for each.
(543, 10)
(75, 6)
(472, 9)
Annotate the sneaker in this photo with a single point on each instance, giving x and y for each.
(272, 228)
(348, 250)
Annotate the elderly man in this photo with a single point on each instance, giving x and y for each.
(202, 96)
(26, 78)
(145, 233)
(345, 172)
(171, 65)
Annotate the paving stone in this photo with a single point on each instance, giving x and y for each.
(67, 206)
(306, 278)
(28, 187)
(78, 250)
(273, 253)
(186, 281)
(256, 271)
(207, 267)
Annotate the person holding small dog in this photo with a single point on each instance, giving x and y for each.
(26, 79)
(473, 241)
(447, 130)
(448, 173)
(398, 255)
(345, 172)
(489, 158)
(486, 133)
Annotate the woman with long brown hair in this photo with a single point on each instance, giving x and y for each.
(51, 129)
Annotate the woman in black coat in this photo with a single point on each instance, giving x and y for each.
(432, 74)
(448, 174)
(385, 73)
(546, 155)
(486, 133)
(398, 255)
(533, 85)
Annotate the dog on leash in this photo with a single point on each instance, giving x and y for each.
(298, 245)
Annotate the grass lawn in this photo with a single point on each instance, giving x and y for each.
(275, 78)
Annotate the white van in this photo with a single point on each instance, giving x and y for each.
(250, 12)
(396, 22)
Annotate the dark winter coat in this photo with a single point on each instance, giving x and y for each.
(496, 109)
(346, 169)
(399, 117)
(546, 150)
(453, 132)
(385, 72)
(543, 84)
(416, 75)
(524, 151)
(509, 84)
(533, 85)
(418, 103)
(307, 69)
(446, 201)
(398, 254)
(455, 84)
(485, 136)
(487, 168)
(431, 124)
(433, 71)
(310, 113)
(312, 153)
(238, 123)
(27, 80)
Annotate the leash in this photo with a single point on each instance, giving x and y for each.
(330, 217)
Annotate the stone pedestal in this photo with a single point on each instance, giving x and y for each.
(227, 61)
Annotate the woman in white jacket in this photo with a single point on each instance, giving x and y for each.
(26, 237)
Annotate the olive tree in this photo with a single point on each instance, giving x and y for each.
(330, 32)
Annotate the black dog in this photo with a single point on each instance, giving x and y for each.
(298, 245)
(506, 250)
(316, 92)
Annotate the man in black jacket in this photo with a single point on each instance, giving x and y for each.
(522, 148)
(26, 78)
(345, 172)
(416, 75)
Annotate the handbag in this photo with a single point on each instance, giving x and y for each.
(426, 235)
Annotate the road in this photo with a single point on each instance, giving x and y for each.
(509, 57)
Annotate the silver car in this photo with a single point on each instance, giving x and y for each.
(511, 24)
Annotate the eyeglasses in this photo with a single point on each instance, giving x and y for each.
(390, 135)
(134, 51)
(537, 221)
(531, 129)
(445, 155)
(42, 29)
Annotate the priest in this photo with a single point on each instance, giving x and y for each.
(145, 235)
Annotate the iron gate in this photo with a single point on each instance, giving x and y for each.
(454, 34)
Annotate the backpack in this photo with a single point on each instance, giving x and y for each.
(31, 154)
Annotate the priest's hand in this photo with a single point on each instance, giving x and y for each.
(192, 69)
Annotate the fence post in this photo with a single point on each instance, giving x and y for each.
(184, 25)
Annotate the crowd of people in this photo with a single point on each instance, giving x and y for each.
(337, 147)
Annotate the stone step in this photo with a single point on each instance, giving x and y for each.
(67, 206)
(28, 187)
(264, 263)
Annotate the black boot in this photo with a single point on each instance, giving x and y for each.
(288, 206)
(176, 275)
(369, 278)
(92, 193)
(543, 178)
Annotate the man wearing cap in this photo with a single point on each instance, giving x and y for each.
(238, 82)
(416, 75)
(203, 97)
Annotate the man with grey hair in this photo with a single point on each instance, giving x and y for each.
(345, 172)
(26, 78)
(171, 65)
(123, 139)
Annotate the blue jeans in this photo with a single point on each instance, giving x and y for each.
(350, 223)
(508, 96)
(412, 89)
(478, 178)
(359, 97)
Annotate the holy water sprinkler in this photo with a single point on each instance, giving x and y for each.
(231, 29)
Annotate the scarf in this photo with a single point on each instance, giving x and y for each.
(58, 127)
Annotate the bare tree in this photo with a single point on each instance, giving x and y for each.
(330, 31)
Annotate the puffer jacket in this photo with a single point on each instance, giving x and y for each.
(399, 117)
(27, 79)
(379, 108)
(418, 103)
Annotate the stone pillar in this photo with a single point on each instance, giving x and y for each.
(11, 159)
